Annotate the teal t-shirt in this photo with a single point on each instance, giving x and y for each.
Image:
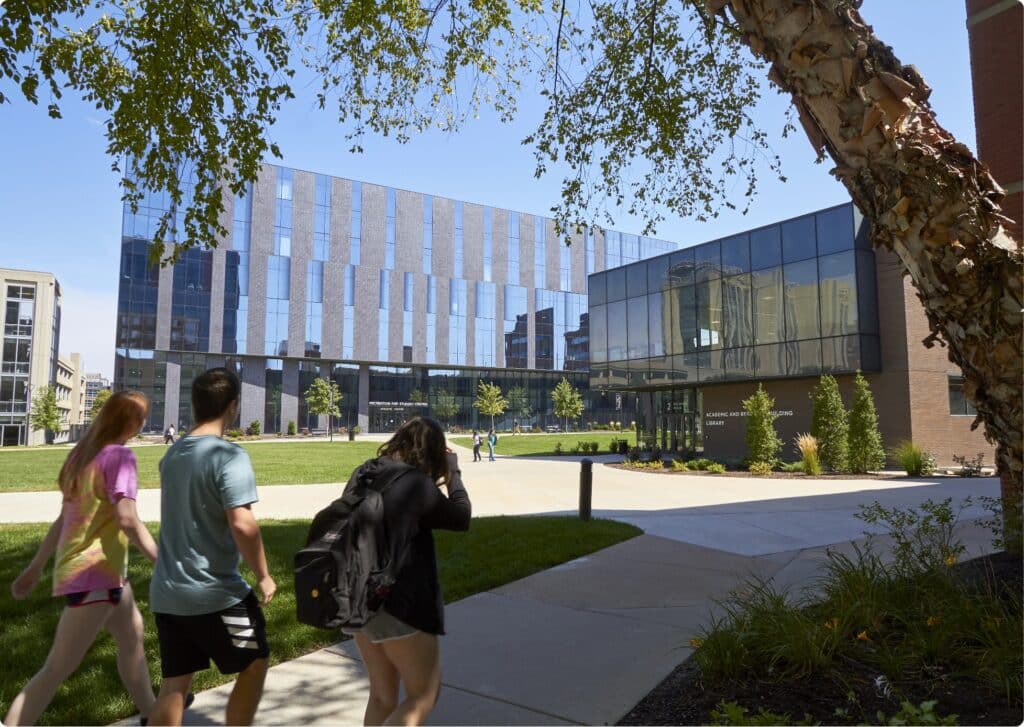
(196, 570)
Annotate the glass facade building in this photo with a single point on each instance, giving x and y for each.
(396, 295)
(790, 300)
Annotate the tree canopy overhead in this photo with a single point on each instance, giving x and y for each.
(190, 92)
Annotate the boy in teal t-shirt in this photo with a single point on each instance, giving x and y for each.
(204, 609)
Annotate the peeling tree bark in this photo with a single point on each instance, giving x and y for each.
(930, 201)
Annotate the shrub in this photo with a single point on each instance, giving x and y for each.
(578, 447)
(731, 713)
(679, 466)
(915, 461)
(613, 446)
(558, 448)
(763, 443)
(808, 447)
(633, 454)
(923, 714)
(254, 429)
(761, 469)
(594, 447)
(234, 433)
(715, 469)
(829, 425)
(292, 429)
(865, 451)
(623, 446)
(793, 467)
(970, 467)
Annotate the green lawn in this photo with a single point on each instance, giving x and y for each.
(291, 463)
(544, 444)
(495, 551)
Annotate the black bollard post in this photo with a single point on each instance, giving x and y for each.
(586, 487)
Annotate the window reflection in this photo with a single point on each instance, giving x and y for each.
(769, 311)
(636, 332)
(835, 230)
(801, 281)
(838, 290)
(617, 330)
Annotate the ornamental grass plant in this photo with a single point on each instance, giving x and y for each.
(808, 446)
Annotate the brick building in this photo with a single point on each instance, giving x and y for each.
(995, 29)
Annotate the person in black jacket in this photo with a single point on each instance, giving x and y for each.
(399, 644)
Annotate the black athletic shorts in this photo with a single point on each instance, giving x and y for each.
(232, 638)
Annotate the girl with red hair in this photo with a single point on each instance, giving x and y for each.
(97, 522)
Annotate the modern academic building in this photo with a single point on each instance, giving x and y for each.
(687, 336)
(399, 297)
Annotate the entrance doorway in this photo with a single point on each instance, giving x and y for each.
(679, 423)
(11, 435)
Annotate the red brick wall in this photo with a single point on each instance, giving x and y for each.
(997, 59)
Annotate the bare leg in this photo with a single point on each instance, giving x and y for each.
(170, 703)
(125, 625)
(418, 661)
(76, 631)
(245, 697)
(383, 681)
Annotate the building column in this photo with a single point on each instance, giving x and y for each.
(254, 394)
(364, 398)
(172, 392)
(289, 393)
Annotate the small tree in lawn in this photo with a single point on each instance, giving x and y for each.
(829, 425)
(101, 398)
(489, 400)
(865, 450)
(445, 406)
(568, 402)
(323, 397)
(45, 414)
(416, 396)
(763, 443)
(519, 403)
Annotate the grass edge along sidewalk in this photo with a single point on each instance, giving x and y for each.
(300, 463)
(540, 445)
(495, 551)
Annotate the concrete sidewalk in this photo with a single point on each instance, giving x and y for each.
(583, 642)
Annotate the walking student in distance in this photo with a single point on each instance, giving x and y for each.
(477, 441)
(204, 609)
(97, 522)
(169, 434)
(492, 441)
(399, 644)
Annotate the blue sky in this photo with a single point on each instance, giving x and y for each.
(61, 210)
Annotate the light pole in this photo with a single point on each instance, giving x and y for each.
(330, 411)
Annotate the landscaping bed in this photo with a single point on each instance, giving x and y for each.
(915, 637)
(777, 475)
(495, 551)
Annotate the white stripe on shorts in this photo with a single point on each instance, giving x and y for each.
(241, 633)
(236, 620)
(244, 644)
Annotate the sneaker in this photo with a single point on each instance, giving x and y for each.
(189, 698)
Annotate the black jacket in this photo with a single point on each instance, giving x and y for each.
(413, 507)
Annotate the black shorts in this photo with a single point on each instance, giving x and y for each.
(232, 638)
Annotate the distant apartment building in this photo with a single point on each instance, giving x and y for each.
(69, 386)
(94, 384)
(28, 358)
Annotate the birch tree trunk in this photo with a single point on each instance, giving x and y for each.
(930, 201)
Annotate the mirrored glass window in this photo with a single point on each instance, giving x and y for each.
(838, 291)
(617, 322)
(597, 287)
(636, 333)
(655, 325)
(769, 308)
(771, 360)
(798, 239)
(740, 363)
(804, 357)
(835, 230)
(738, 311)
(681, 268)
(657, 273)
(766, 247)
(616, 284)
(736, 254)
(801, 290)
(708, 261)
(636, 280)
(710, 319)
(840, 354)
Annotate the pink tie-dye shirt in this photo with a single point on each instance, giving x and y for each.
(92, 553)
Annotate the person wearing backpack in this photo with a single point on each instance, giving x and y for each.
(203, 608)
(492, 442)
(399, 644)
(477, 441)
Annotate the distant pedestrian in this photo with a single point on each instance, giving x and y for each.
(202, 606)
(399, 644)
(97, 522)
(169, 434)
(515, 427)
(477, 441)
(492, 441)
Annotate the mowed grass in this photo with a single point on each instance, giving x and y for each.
(544, 444)
(275, 463)
(495, 551)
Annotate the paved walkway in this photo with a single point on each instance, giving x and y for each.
(583, 642)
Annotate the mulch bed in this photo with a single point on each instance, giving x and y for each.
(683, 697)
(780, 475)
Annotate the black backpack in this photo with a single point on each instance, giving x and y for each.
(345, 572)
